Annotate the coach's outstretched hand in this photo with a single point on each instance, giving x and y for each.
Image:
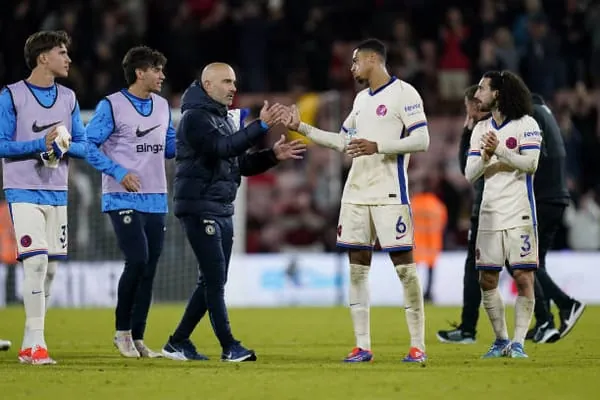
(288, 150)
(273, 115)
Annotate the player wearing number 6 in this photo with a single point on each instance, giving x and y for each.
(387, 123)
(37, 115)
(505, 149)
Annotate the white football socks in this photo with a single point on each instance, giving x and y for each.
(523, 313)
(413, 304)
(50, 274)
(494, 306)
(360, 304)
(34, 300)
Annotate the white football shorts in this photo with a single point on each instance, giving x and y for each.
(40, 229)
(517, 245)
(360, 225)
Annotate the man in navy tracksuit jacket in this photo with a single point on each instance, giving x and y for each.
(211, 156)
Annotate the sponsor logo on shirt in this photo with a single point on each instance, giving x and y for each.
(412, 108)
(149, 148)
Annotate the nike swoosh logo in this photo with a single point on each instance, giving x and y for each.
(38, 128)
(38, 292)
(142, 133)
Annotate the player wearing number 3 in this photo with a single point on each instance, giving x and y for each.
(387, 123)
(38, 118)
(505, 149)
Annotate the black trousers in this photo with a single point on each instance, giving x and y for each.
(549, 217)
(211, 239)
(140, 237)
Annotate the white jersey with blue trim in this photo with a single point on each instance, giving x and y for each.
(391, 112)
(237, 117)
(508, 198)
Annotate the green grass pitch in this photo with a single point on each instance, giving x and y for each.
(299, 352)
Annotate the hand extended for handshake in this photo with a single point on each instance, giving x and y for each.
(280, 114)
(290, 118)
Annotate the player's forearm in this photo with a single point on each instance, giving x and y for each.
(12, 149)
(212, 142)
(170, 148)
(475, 166)
(331, 140)
(526, 162)
(170, 143)
(102, 163)
(417, 141)
(463, 148)
(78, 150)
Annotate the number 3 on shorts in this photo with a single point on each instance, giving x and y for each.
(526, 243)
(63, 236)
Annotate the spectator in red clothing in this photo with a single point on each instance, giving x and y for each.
(454, 66)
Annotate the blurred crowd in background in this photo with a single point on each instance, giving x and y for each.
(299, 52)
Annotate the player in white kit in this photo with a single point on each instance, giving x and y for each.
(505, 149)
(386, 124)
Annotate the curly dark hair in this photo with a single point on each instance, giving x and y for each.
(514, 98)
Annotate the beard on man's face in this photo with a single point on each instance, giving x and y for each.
(487, 107)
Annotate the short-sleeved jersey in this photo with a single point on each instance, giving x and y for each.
(508, 199)
(389, 113)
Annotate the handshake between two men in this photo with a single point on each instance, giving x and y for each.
(289, 117)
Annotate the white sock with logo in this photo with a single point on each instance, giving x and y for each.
(34, 300)
(360, 305)
(50, 274)
(414, 307)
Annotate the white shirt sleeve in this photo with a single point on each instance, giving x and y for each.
(332, 140)
(416, 134)
(475, 161)
(529, 140)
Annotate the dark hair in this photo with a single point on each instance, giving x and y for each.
(470, 92)
(41, 42)
(537, 99)
(141, 57)
(514, 98)
(375, 46)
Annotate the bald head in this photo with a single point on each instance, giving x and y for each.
(218, 80)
